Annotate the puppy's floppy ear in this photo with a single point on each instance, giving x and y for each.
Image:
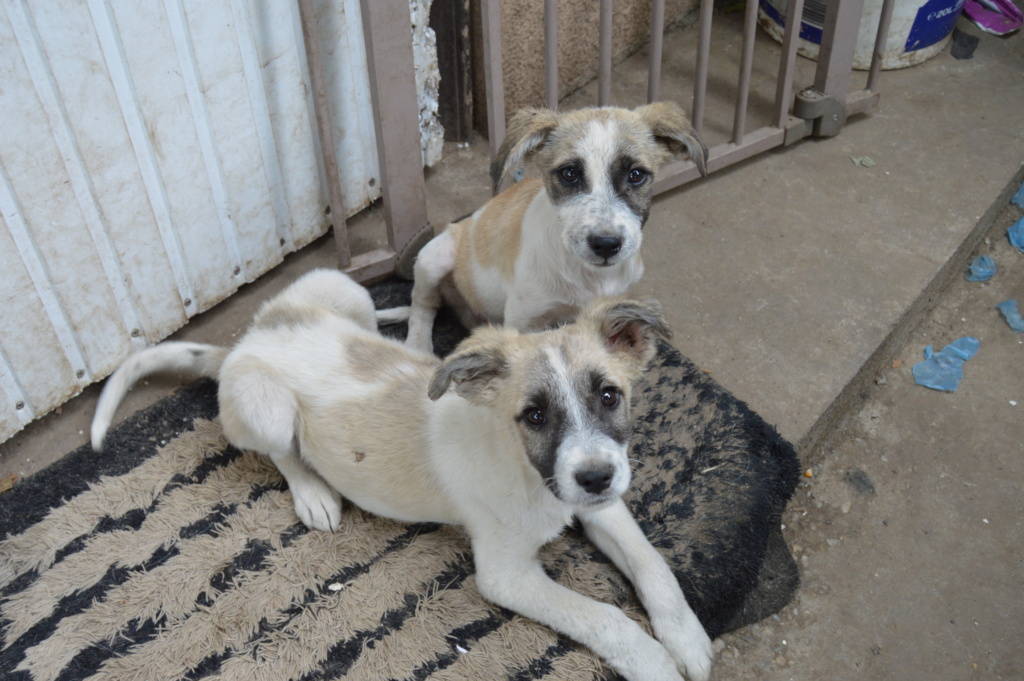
(526, 133)
(475, 369)
(671, 127)
(629, 326)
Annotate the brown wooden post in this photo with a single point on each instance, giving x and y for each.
(322, 111)
(387, 27)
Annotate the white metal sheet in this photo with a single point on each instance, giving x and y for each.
(153, 158)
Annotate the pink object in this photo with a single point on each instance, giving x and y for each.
(998, 17)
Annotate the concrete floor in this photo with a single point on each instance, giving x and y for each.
(795, 280)
(910, 532)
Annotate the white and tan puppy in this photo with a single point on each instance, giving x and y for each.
(511, 437)
(537, 252)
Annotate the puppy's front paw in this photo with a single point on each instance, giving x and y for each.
(646, 660)
(697, 666)
(690, 647)
(318, 506)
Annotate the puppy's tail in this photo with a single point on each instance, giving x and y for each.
(203, 359)
(393, 315)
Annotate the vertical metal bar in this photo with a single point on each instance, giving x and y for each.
(700, 80)
(784, 89)
(657, 46)
(739, 121)
(387, 31)
(494, 80)
(838, 41)
(880, 39)
(325, 129)
(604, 67)
(551, 53)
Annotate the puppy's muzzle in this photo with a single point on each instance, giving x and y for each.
(604, 247)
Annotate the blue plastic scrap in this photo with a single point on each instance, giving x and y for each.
(1018, 198)
(982, 268)
(1016, 234)
(943, 370)
(1012, 314)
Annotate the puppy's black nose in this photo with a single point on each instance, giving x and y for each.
(594, 482)
(604, 246)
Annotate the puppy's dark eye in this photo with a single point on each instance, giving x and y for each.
(637, 176)
(535, 417)
(569, 174)
(610, 397)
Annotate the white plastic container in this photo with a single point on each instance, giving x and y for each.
(919, 30)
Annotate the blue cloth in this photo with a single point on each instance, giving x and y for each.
(982, 268)
(1016, 234)
(943, 370)
(1012, 314)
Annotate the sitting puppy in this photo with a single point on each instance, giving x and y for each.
(537, 252)
(511, 436)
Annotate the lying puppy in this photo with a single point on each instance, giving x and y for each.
(511, 436)
(537, 252)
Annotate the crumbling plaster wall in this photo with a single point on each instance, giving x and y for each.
(424, 50)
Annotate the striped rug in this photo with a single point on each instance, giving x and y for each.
(175, 556)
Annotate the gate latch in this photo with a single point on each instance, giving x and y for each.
(827, 112)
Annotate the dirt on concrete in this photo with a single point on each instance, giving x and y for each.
(909, 526)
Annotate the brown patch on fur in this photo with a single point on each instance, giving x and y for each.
(371, 358)
(498, 230)
(393, 466)
(278, 316)
(491, 240)
(360, 456)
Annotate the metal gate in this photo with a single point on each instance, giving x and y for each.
(820, 109)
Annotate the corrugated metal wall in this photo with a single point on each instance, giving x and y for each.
(154, 157)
